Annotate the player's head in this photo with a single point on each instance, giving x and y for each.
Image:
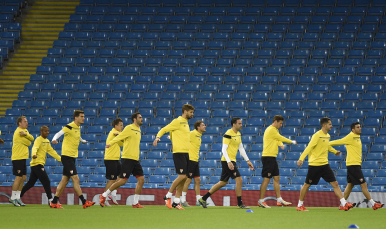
(137, 119)
(44, 131)
(236, 122)
(118, 124)
(356, 128)
(200, 126)
(187, 111)
(326, 123)
(22, 122)
(277, 121)
(79, 117)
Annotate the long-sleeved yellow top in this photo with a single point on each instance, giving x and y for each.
(41, 147)
(114, 152)
(271, 140)
(131, 136)
(233, 141)
(179, 129)
(317, 149)
(354, 148)
(20, 144)
(71, 140)
(195, 144)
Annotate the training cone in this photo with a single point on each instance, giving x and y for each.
(250, 211)
(353, 226)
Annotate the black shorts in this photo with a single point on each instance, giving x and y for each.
(355, 175)
(113, 169)
(193, 169)
(270, 167)
(130, 166)
(226, 173)
(69, 168)
(19, 167)
(181, 162)
(316, 172)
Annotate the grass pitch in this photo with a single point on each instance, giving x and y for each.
(115, 217)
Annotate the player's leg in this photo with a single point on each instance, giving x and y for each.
(113, 170)
(78, 191)
(197, 183)
(313, 177)
(185, 191)
(267, 173)
(276, 186)
(20, 171)
(31, 182)
(348, 190)
(366, 192)
(303, 192)
(45, 180)
(59, 190)
(181, 161)
(226, 173)
(329, 176)
(138, 173)
(138, 190)
(239, 184)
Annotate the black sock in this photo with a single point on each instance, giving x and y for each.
(239, 201)
(49, 196)
(81, 197)
(206, 196)
(55, 200)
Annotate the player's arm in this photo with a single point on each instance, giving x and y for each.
(29, 137)
(35, 148)
(82, 140)
(245, 156)
(125, 134)
(172, 126)
(1, 141)
(59, 134)
(226, 140)
(280, 138)
(280, 144)
(53, 153)
(311, 145)
(342, 141)
(334, 151)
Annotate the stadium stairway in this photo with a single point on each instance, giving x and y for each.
(40, 27)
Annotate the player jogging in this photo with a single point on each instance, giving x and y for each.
(180, 132)
(112, 163)
(317, 151)
(22, 139)
(271, 140)
(131, 136)
(70, 146)
(194, 168)
(41, 147)
(353, 144)
(231, 144)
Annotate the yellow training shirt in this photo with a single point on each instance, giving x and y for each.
(195, 144)
(179, 128)
(233, 141)
(114, 152)
(131, 136)
(71, 140)
(40, 148)
(271, 140)
(317, 149)
(354, 148)
(20, 144)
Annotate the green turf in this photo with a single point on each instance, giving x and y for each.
(41, 216)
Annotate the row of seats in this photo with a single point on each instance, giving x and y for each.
(224, 28)
(182, 19)
(230, 11)
(218, 36)
(238, 3)
(243, 93)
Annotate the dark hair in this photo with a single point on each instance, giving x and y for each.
(324, 121)
(234, 120)
(354, 124)
(187, 107)
(43, 127)
(197, 124)
(117, 121)
(77, 113)
(135, 116)
(278, 118)
(20, 119)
